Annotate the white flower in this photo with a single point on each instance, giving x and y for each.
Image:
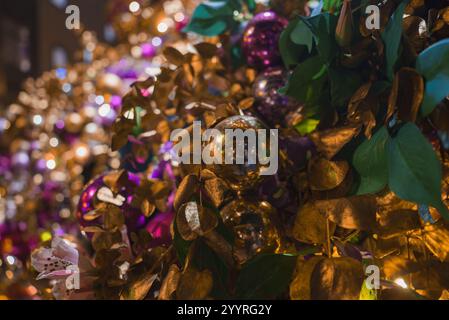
(53, 263)
(57, 264)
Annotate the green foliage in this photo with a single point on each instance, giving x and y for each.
(406, 162)
(370, 161)
(344, 82)
(414, 170)
(320, 29)
(215, 17)
(332, 5)
(302, 35)
(392, 39)
(307, 126)
(433, 65)
(291, 52)
(266, 276)
(366, 293)
(305, 79)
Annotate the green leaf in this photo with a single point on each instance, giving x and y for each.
(302, 35)
(251, 4)
(303, 78)
(322, 27)
(414, 170)
(307, 126)
(214, 17)
(265, 276)
(332, 5)
(290, 52)
(366, 293)
(433, 65)
(344, 83)
(370, 161)
(392, 39)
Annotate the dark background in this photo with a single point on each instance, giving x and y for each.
(33, 38)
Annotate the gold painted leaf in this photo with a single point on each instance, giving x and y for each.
(93, 229)
(406, 95)
(300, 287)
(216, 189)
(325, 174)
(187, 188)
(114, 218)
(337, 279)
(395, 223)
(311, 226)
(246, 103)
(394, 267)
(119, 140)
(194, 285)
(139, 289)
(206, 50)
(92, 215)
(330, 142)
(355, 212)
(362, 108)
(389, 201)
(339, 192)
(193, 221)
(173, 56)
(170, 283)
(436, 239)
(147, 208)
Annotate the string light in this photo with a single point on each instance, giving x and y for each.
(51, 164)
(37, 120)
(134, 7)
(156, 41)
(82, 152)
(104, 110)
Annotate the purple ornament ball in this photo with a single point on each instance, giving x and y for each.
(89, 199)
(159, 228)
(261, 39)
(270, 104)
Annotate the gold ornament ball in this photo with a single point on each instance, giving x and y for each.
(253, 228)
(247, 175)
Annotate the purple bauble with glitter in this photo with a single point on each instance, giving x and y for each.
(90, 197)
(160, 224)
(261, 40)
(270, 104)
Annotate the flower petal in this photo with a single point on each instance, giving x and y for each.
(39, 258)
(60, 291)
(58, 274)
(64, 250)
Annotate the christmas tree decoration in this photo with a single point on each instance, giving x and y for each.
(99, 195)
(253, 228)
(272, 105)
(260, 40)
(234, 150)
(250, 172)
